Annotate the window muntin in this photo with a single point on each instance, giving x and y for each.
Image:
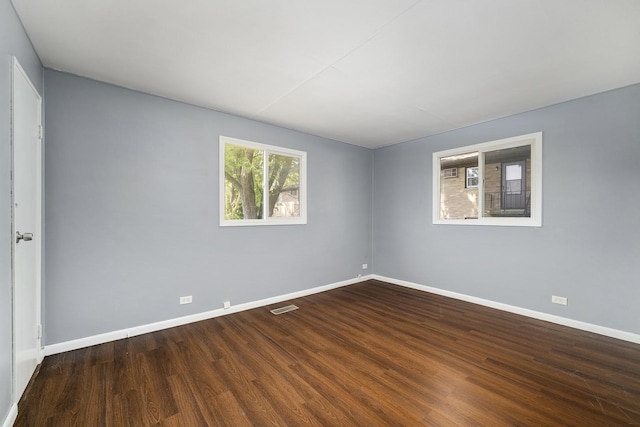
(508, 183)
(261, 184)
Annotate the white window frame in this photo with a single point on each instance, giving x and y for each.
(266, 219)
(453, 173)
(535, 220)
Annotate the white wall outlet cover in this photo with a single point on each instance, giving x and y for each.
(559, 300)
(365, 266)
(186, 300)
(227, 304)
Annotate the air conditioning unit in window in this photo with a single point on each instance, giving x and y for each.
(450, 173)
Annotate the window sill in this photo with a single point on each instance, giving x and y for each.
(261, 222)
(497, 222)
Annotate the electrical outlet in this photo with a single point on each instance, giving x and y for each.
(559, 300)
(186, 300)
(365, 266)
(227, 304)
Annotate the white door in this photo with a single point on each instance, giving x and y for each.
(26, 111)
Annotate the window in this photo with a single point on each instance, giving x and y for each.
(261, 184)
(472, 177)
(502, 184)
(450, 173)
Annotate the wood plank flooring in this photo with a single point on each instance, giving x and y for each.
(370, 354)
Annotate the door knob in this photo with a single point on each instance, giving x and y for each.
(27, 237)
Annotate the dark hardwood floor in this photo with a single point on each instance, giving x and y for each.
(370, 354)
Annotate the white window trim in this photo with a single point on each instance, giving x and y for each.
(266, 220)
(535, 220)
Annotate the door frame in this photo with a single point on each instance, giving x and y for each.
(17, 72)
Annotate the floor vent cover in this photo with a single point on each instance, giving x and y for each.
(284, 309)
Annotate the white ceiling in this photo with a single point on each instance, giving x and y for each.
(365, 72)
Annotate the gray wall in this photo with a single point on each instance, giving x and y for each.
(13, 42)
(132, 212)
(589, 246)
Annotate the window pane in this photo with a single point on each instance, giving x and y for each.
(243, 170)
(507, 182)
(284, 186)
(514, 172)
(457, 201)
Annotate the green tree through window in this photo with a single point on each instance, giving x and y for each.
(255, 189)
(243, 171)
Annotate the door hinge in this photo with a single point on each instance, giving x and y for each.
(39, 331)
(39, 132)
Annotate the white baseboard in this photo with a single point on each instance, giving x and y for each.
(165, 324)
(576, 324)
(11, 416)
